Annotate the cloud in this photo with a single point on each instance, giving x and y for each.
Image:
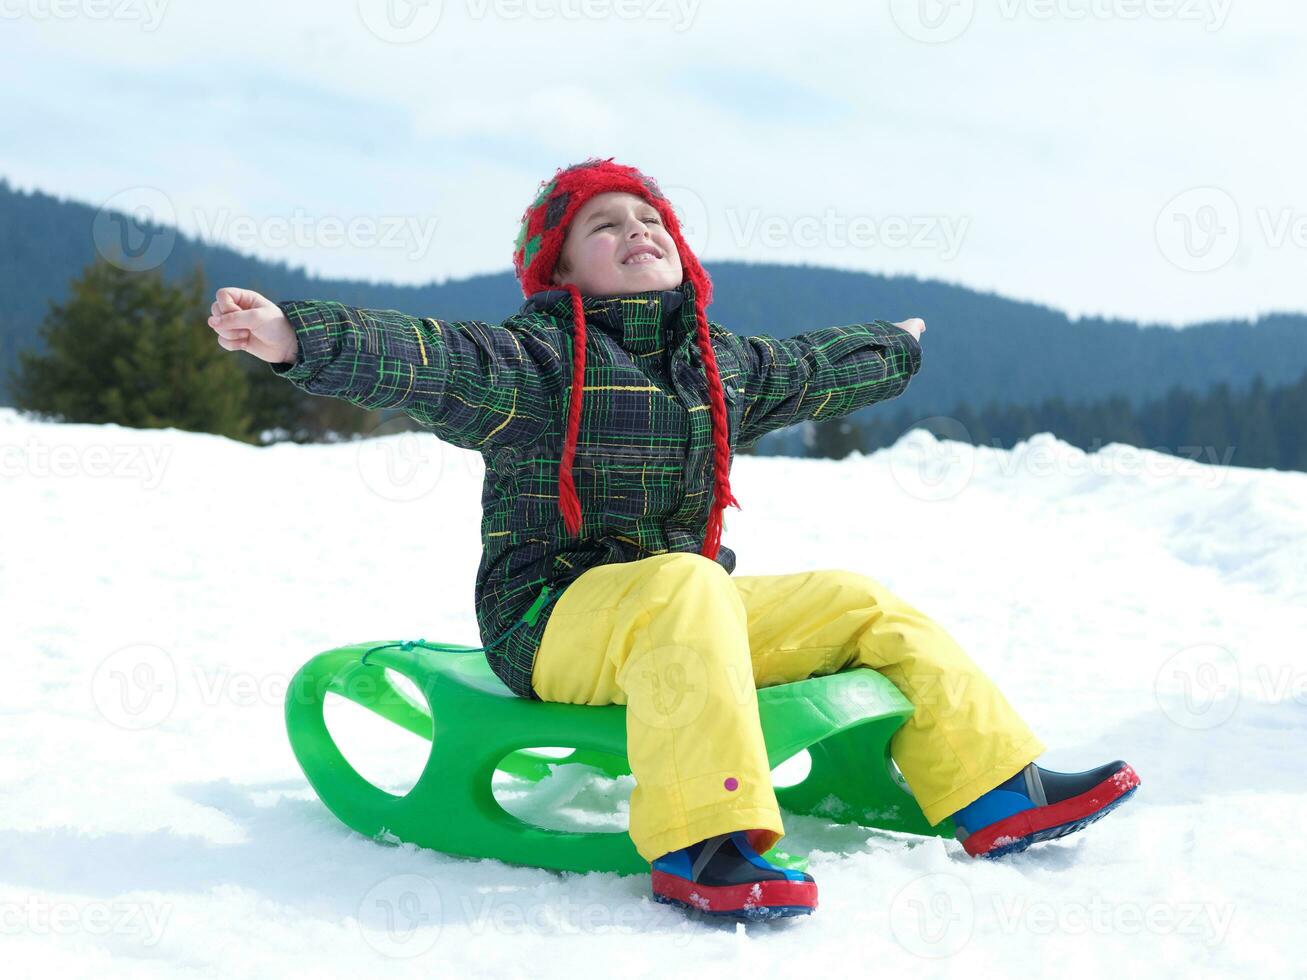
(1059, 141)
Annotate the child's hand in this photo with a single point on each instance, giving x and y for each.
(916, 326)
(244, 320)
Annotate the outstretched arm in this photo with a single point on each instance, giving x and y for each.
(479, 386)
(824, 374)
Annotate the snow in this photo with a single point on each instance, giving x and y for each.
(161, 588)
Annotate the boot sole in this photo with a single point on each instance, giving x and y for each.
(755, 901)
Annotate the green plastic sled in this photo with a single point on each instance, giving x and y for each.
(476, 726)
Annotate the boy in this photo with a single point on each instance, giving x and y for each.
(608, 411)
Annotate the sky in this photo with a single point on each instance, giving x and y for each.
(1124, 158)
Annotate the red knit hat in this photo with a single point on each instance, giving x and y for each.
(535, 254)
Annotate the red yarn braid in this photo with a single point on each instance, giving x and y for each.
(569, 503)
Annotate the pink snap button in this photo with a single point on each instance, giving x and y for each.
(732, 783)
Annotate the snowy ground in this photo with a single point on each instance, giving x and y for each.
(161, 587)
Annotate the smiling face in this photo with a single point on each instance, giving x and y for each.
(615, 245)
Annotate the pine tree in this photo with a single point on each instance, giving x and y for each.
(1255, 429)
(1208, 428)
(129, 348)
(1267, 424)
(1289, 408)
(835, 438)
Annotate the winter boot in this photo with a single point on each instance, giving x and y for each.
(1039, 804)
(725, 876)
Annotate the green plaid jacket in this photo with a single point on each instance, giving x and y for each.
(643, 464)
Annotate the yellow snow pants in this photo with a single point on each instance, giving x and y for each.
(685, 646)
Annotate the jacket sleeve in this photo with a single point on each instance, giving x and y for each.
(479, 386)
(823, 374)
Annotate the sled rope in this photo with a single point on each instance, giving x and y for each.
(528, 618)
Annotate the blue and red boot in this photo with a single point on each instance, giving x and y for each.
(1039, 804)
(725, 876)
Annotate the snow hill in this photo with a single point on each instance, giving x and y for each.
(159, 588)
